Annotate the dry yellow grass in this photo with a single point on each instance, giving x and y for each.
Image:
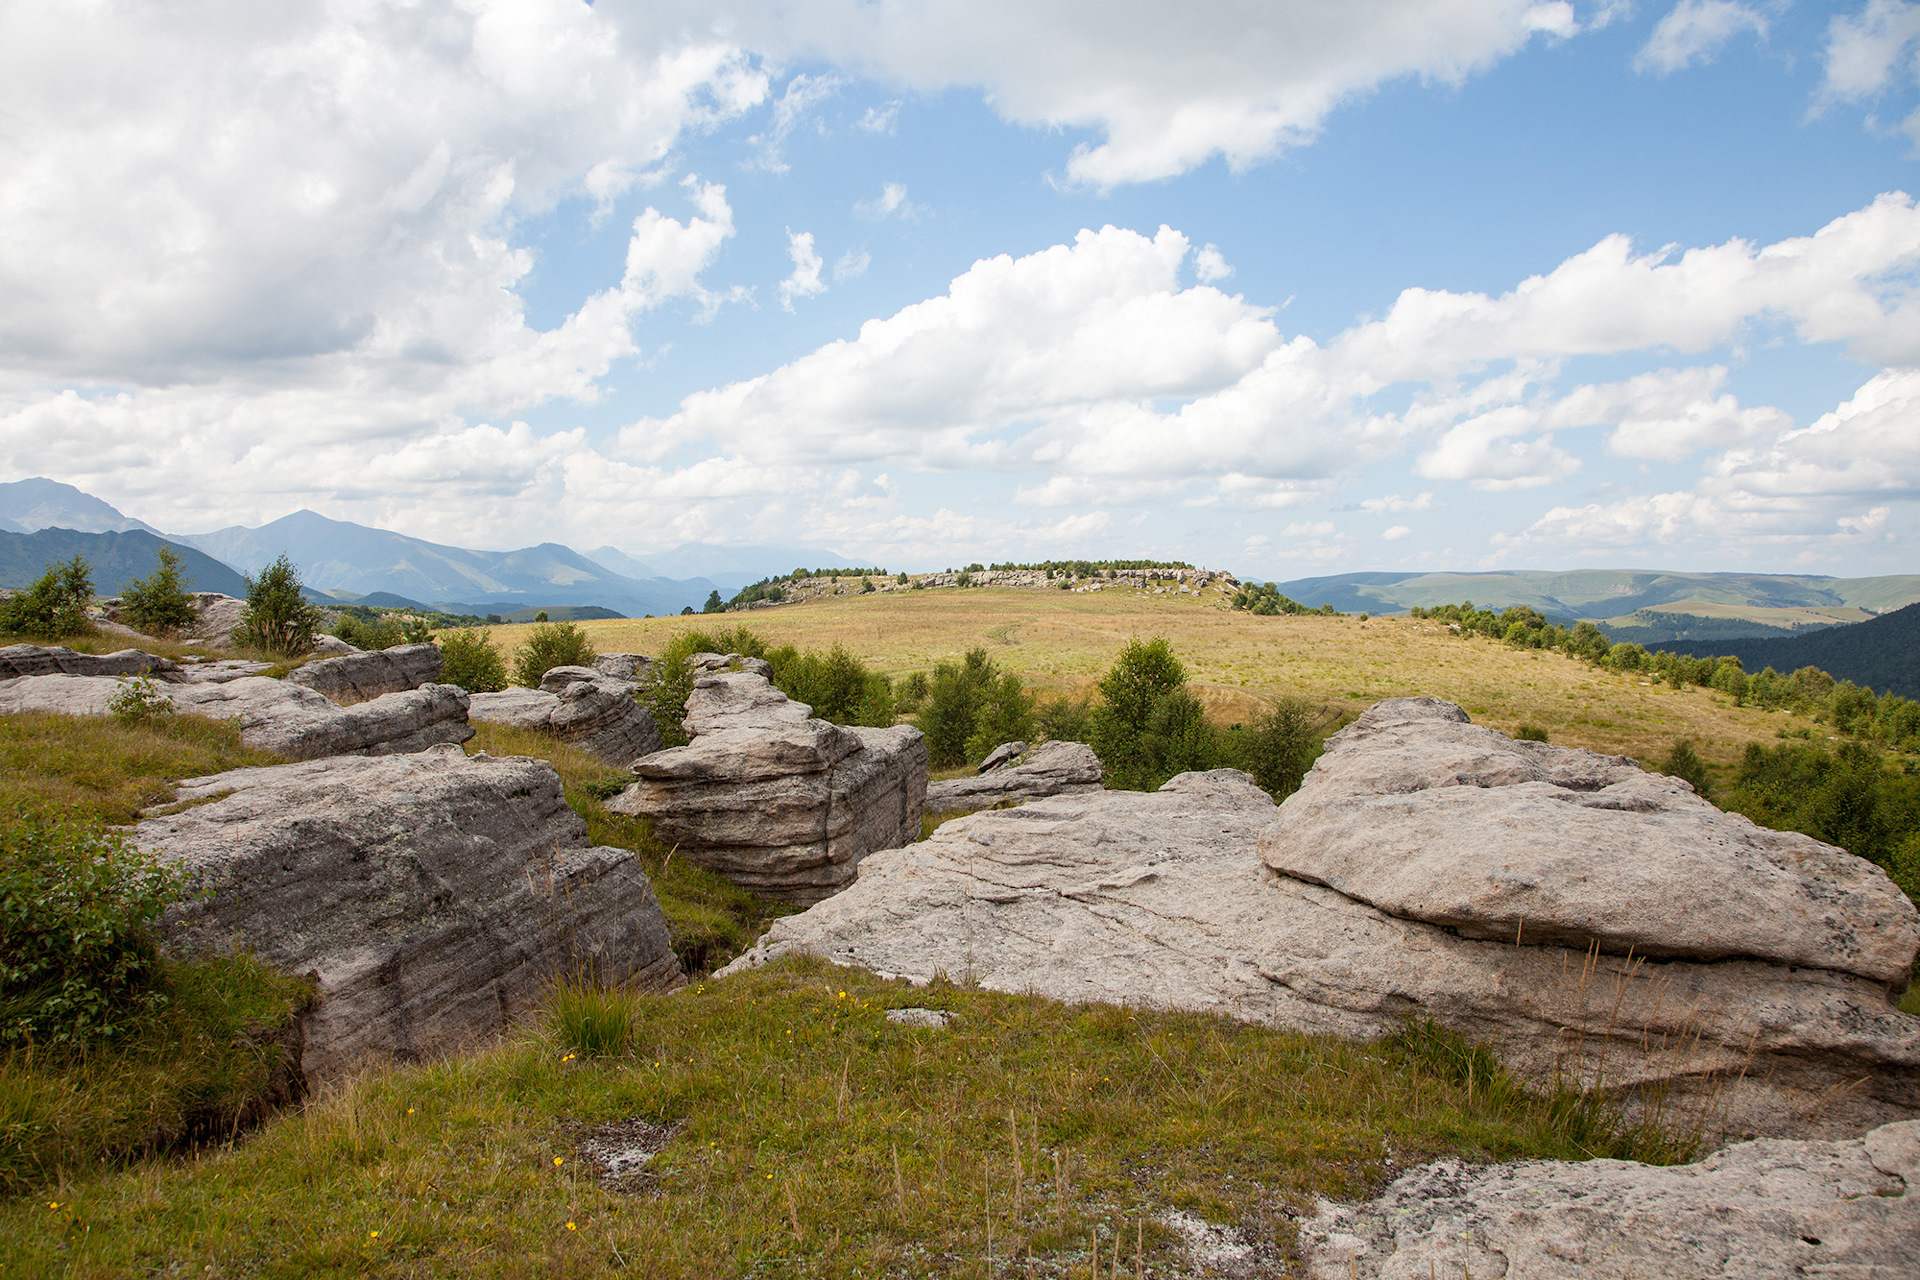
(1239, 663)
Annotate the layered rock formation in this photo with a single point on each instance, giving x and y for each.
(624, 666)
(1164, 899)
(1051, 769)
(580, 705)
(361, 677)
(774, 799)
(1767, 1208)
(17, 660)
(433, 895)
(272, 714)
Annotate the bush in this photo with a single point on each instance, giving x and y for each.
(277, 617)
(955, 696)
(1685, 764)
(77, 961)
(1064, 719)
(550, 645)
(1006, 714)
(912, 694)
(1279, 748)
(140, 701)
(1148, 727)
(1531, 733)
(372, 630)
(468, 659)
(835, 684)
(159, 604)
(55, 606)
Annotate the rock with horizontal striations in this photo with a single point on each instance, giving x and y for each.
(17, 660)
(1004, 754)
(434, 895)
(1417, 812)
(1051, 769)
(218, 617)
(331, 646)
(624, 666)
(273, 715)
(1162, 899)
(579, 705)
(1769, 1208)
(359, 676)
(774, 799)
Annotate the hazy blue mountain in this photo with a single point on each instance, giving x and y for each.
(1882, 653)
(116, 558)
(40, 503)
(734, 567)
(620, 562)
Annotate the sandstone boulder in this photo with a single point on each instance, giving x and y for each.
(17, 660)
(331, 646)
(359, 677)
(1004, 754)
(1417, 812)
(1051, 769)
(433, 895)
(1768, 1208)
(774, 799)
(1162, 899)
(594, 712)
(197, 670)
(219, 617)
(273, 715)
(624, 666)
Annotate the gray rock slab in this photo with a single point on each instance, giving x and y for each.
(581, 706)
(1773, 1207)
(1417, 812)
(740, 700)
(219, 617)
(272, 715)
(1051, 769)
(433, 895)
(218, 671)
(1161, 899)
(624, 666)
(361, 676)
(17, 660)
(1000, 755)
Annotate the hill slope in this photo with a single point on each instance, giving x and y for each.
(40, 503)
(117, 558)
(1883, 654)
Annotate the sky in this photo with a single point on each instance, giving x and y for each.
(1288, 287)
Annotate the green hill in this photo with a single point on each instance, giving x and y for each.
(117, 558)
(1883, 654)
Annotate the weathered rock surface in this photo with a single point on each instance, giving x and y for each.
(624, 666)
(1051, 769)
(217, 671)
(1767, 1208)
(331, 646)
(360, 677)
(432, 894)
(1162, 899)
(273, 715)
(580, 705)
(1003, 754)
(774, 799)
(17, 660)
(219, 617)
(1417, 812)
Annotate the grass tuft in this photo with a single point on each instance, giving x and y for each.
(591, 1020)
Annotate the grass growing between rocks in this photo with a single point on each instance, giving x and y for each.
(798, 1132)
(711, 919)
(107, 770)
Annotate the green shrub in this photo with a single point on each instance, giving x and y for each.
(550, 645)
(1148, 726)
(76, 959)
(835, 684)
(159, 603)
(592, 1020)
(1684, 763)
(1006, 714)
(140, 699)
(912, 694)
(1904, 868)
(1531, 733)
(370, 630)
(468, 659)
(55, 606)
(955, 696)
(277, 617)
(1064, 719)
(1279, 747)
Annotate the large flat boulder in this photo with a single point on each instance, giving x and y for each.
(580, 705)
(362, 676)
(1774, 1207)
(273, 715)
(1050, 769)
(1416, 811)
(774, 799)
(1162, 899)
(433, 895)
(17, 660)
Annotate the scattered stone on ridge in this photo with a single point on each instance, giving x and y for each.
(360, 677)
(580, 705)
(1050, 769)
(1768, 1208)
(1161, 898)
(933, 1019)
(17, 660)
(332, 646)
(774, 799)
(1417, 812)
(1002, 754)
(273, 715)
(434, 896)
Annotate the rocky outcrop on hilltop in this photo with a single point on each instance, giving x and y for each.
(1050, 769)
(17, 660)
(273, 715)
(1768, 1208)
(432, 895)
(579, 705)
(362, 676)
(774, 799)
(1165, 899)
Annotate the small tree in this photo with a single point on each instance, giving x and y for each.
(159, 604)
(55, 605)
(1684, 763)
(1005, 715)
(550, 645)
(955, 697)
(277, 617)
(714, 603)
(468, 659)
(1280, 746)
(1148, 727)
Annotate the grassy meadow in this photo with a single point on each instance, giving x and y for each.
(1239, 663)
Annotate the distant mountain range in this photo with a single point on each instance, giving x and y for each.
(1882, 654)
(352, 563)
(115, 557)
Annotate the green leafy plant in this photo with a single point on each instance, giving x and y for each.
(955, 695)
(159, 604)
(77, 961)
(591, 1019)
(468, 659)
(373, 630)
(1684, 763)
(1148, 725)
(278, 618)
(1531, 733)
(55, 606)
(139, 700)
(550, 645)
(1280, 746)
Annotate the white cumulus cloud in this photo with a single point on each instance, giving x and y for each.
(1694, 31)
(805, 281)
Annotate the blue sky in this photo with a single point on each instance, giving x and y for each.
(1288, 288)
